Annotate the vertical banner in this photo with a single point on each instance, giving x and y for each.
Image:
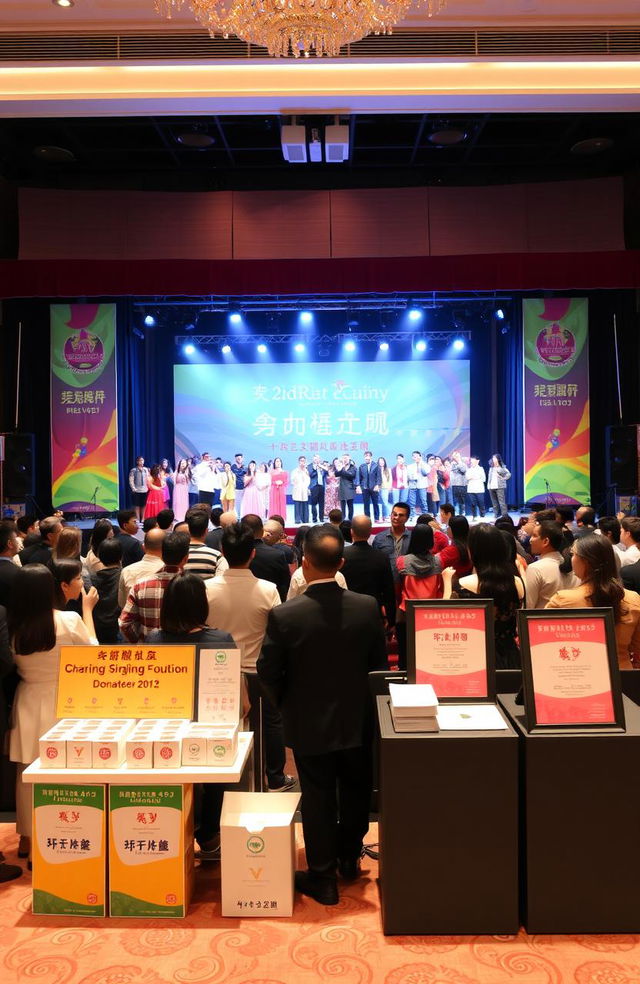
(556, 399)
(84, 435)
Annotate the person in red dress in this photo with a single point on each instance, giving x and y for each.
(155, 495)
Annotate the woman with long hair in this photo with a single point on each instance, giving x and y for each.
(278, 490)
(181, 479)
(252, 497)
(593, 563)
(419, 577)
(386, 483)
(37, 630)
(166, 473)
(227, 488)
(332, 488)
(456, 554)
(155, 495)
(102, 530)
(68, 544)
(263, 484)
(494, 576)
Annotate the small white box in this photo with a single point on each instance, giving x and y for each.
(108, 750)
(257, 839)
(167, 753)
(53, 749)
(80, 752)
(139, 752)
(222, 746)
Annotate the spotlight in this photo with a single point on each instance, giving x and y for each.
(63, 3)
(262, 348)
(349, 346)
(298, 347)
(500, 314)
(415, 314)
(384, 346)
(305, 317)
(189, 349)
(458, 345)
(226, 349)
(421, 345)
(235, 317)
(150, 321)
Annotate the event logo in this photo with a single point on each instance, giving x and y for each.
(138, 753)
(105, 753)
(166, 752)
(221, 658)
(569, 653)
(255, 845)
(556, 345)
(52, 752)
(83, 352)
(92, 898)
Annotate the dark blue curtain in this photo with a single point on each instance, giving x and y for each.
(508, 394)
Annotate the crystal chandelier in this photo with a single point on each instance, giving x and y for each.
(297, 27)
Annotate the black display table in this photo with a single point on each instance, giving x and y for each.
(580, 820)
(448, 830)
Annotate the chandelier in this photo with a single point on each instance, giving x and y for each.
(297, 27)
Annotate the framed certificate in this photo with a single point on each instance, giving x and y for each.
(570, 669)
(450, 645)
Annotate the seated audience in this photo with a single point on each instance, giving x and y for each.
(585, 521)
(28, 530)
(268, 563)
(545, 576)
(298, 583)
(214, 537)
(630, 539)
(165, 519)
(150, 563)
(7, 871)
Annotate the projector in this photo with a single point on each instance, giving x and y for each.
(336, 143)
(294, 144)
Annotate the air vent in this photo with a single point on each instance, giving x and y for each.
(403, 43)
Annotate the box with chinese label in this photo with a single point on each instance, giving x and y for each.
(257, 840)
(150, 850)
(69, 850)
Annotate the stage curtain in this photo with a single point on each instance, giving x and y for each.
(509, 388)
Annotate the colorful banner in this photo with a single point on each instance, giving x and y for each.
(556, 400)
(84, 432)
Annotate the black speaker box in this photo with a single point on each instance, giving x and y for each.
(18, 466)
(623, 456)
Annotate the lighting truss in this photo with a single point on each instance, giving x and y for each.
(207, 341)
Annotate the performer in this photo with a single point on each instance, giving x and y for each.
(399, 480)
(332, 486)
(263, 484)
(181, 480)
(166, 472)
(499, 475)
(476, 478)
(317, 475)
(459, 482)
(347, 475)
(278, 490)
(386, 483)
(155, 495)
(228, 485)
(252, 499)
(138, 478)
(300, 482)
(369, 486)
(240, 472)
(205, 478)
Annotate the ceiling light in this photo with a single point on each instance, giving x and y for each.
(299, 26)
(298, 347)
(189, 349)
(150, 321)
(54, 155)
(458, 345)
(384, 346)
(500, 314)
(447, 138)
(262, 348)
(349, 346)
(421, 345)
(197, 138)
(595, 145)
(226, 349)
(415, 314)
(235, 317)
(63, 3)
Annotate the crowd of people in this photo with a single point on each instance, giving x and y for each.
(318, 486)
(311, 618)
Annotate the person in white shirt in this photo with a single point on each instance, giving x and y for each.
(417, 482)
(499, 475)
(300, 481)
(145, 568)
(476, 477)
(609, 526)
(544, 578)
(298, 584)
(138, 478)
(239, 603)
(398, 479)
(630, 538)
(207, 478)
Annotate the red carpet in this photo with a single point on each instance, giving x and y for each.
(342, 944)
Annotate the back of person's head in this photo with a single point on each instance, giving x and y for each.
(215, 516)
(198, 523)
(610, 527)
(48, 526)
(605, 590)
(546, 515)
(565, 513)
(489, 552)
(273, 531)
(421, 540)
(125, 516)
(335, 517)
(184, 605)
(278, 519)
(324, 548)
(587, 516)
(30, 615)
(7, 533)
(153, 540)
(511, 545)
(181, 527)
(361, 527)
(506, 523)
(175, 548)
(165, 519)
(64, 570)
(552, 531)
(24, 523)
(459, 530)
(631, 525)
(228, 518)
(149, 523)
(101, 531)
(110, 552)
(298, 540)
(253, 522)
(237, 545)
(345, 529)
(424, 519)
(447, 509)
(69, 543)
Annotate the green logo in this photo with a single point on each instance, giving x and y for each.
(255, 845)
(219, 751)
(221, 658)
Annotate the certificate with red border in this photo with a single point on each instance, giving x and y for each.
(450, 647)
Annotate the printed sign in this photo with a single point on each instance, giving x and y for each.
(219, 686)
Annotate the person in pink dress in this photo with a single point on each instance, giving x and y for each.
(252, 499)
(166, 473)
(332, 488)
(263, 482)
(181, 481)
(155, 495)
(278, 491)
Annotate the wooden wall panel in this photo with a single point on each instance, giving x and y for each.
(477, 220)
(278, 225)
(380, 222)
(575, 216)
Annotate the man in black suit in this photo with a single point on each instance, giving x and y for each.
(40, 553)
(367, 571)
(347, 474)
(317, 472)
(132, 550)
(269, 563)
(315, 660)
(369, 479)
(8, 570)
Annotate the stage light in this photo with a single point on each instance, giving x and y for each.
(189, 349)
(415, 314)
(384, 346)
(305, 317)
(235, 317)
(299, 347)
(500, 314)
(262, 348)
(226, 349)
(150, 321)
(421, 345)
(458, 345)
(349, 346)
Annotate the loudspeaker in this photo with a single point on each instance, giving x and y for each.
(18, 466)
(294, 143)
(623, 457)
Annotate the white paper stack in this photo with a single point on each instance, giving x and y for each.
(414, 707)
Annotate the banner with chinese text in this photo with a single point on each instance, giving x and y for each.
(84, 434)
(556, 399)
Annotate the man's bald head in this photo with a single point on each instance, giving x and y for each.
(273, 531)
(228, 519)
(360, 527)
(153, 540)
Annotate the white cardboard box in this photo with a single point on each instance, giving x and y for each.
(257, 839)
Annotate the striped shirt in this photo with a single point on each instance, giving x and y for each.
(141, 614)
(204, 561)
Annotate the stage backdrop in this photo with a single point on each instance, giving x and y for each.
(556, 399)
(84, 458)
(283, 410)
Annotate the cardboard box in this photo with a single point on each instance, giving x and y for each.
(109, 744)
(257, 839)
(150, 850)
(52, 748)
(222, 746)
(69, 850)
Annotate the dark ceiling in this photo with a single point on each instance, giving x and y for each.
(394, 150)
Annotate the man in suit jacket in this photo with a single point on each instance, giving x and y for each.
(317, 474)
(8, 570)
(347, 474)
(367, 571)
(40, 553)
(132, 550)
(369, 480)
(269, 563)
(316, 656)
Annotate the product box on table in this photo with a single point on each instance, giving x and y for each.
(257, 840)
(109, 744)
(150, 850)
(222, 746)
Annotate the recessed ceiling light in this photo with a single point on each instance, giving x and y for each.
(447, 138)
(63, 3)
(594, 145)
(195, 138)
(54, 155)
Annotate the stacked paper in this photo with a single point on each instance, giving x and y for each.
(414, 707)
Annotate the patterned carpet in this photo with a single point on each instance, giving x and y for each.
(342, 944)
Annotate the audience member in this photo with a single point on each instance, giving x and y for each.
(269, 562)
(40, 552)
(106, 581)
(544, 577)
(585, 521)
(7, 871)
(141, 613)
(150, 563)
(149, 523)
(298, 580)
(70, 584)
(456, 554)
(28, 531)
(214, 536)
(367, 571)
(395, 541)
(335, 517)
(127, 529)
(102, 530)
(275, 536)
(345, 529)
(298, 541)
(203, 560)
(440, 539)
(630, 538)
(418, 577)
(165, 519)
(8, 570)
